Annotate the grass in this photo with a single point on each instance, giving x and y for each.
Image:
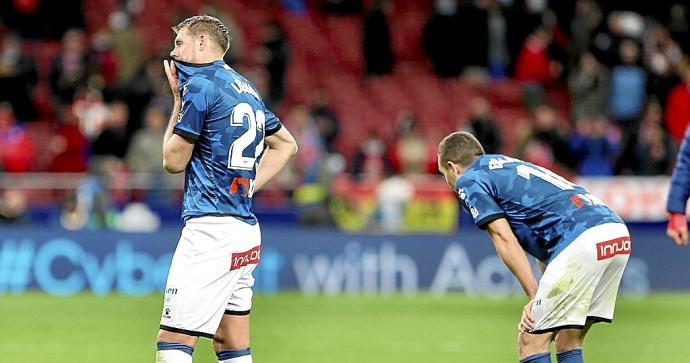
(289, 327)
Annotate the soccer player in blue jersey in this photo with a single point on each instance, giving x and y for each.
(677, 228)
(228, 143)
(582, 245)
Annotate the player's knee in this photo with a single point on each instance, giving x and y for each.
(223, 341)
(170, 337)
(568, 339)
(529, 344)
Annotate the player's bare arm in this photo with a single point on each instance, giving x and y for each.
(514, 257)
(512, 254)
(281, 146)
(176, 150)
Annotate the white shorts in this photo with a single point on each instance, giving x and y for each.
(581, 283)
(210, 275)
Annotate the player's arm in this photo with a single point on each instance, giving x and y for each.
(512, 254)
(280, 147)
(677, 228)
(176, 149)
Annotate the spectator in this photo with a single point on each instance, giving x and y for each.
(145, 89)
(587, 18)
(13, 206)
(647, 151)
(589, 87)
(483, 127)
(661, 56)
(308, 160)
(273, 55)
(110, 146)
(410, 149)
(370, 162)
(498, 56)
(92, 113)
(104, 60)
(441, 36)
(628, 82)
(545, 142)
(17, 150)
(18, 76)
(679, 25)
(325, 119)
(378, 54)
(145, 154)
(68, 145)
(594, 151)
(71, 68)
(653, 150)
(677, 113)
(126, 44)
(533, 64)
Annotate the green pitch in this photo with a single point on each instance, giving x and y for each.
(293, 328)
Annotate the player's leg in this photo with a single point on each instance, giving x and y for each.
(534, 348)
(568, 344)
(199, 284)
(173, 344)
(174, 347)
(231, 341)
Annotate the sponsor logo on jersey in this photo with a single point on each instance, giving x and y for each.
(242, 259)
(618, 246)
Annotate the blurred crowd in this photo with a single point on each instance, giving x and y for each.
(101, 104)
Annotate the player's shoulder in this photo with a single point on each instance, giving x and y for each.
(239, 85)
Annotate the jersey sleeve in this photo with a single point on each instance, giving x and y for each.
(477, 199)
(680, 181)
(196, 101)
(273, 124)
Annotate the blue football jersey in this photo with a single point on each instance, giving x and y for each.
(223, 114)
(545, 211)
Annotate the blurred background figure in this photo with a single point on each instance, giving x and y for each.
(13, 206)
(71, 68)
(144, 154)
(483, 126)
(589, 88)
(378, 54)
(17, 150)
(18, 77)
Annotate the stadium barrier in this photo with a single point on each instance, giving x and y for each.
(312, 261)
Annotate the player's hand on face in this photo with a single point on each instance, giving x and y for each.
(677, 229)
(171, 73)
(526, 322)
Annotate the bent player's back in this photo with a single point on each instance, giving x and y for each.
(545, 211)
(224, 115)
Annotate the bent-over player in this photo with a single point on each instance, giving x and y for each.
(582, 244)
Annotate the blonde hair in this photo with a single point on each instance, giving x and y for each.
(206, 24)
(459, 147)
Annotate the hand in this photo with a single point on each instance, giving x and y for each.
(677, 229)
(171, 73)
(526, 322)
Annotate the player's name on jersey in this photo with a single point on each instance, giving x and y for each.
(242, 87)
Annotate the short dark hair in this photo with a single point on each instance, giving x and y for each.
(459, 147)
(210, 25)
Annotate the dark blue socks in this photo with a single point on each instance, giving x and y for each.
(537, 358)
(570, 356)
